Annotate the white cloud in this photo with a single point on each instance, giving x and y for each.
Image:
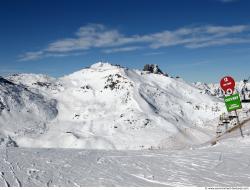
(86, 38)
(224, 41)
(95, 36)
(122, 49)
(200, 36)
(28, 56)
(222, 30)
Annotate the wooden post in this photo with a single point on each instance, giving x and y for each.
(238, 121)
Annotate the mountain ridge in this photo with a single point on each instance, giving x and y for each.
(111, 107)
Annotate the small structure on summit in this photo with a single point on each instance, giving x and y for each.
(153, 68)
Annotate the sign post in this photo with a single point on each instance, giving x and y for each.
(232, 101)
(238, 121)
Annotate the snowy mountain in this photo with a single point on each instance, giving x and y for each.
(23, 112)
(105, 107)
(215, 90)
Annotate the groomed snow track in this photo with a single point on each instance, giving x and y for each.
(221, 165)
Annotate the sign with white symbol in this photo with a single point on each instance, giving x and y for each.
(227, 84)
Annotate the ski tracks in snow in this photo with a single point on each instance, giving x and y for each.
(219, 166)
(2, 176)
(8, 175)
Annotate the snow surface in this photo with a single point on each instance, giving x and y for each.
(226, 164)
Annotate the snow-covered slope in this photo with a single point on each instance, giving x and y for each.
(22, 112)
(223, 165)
(108, 107)
(209, 89)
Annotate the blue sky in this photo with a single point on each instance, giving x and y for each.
(199, 40)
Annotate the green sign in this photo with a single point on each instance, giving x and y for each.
(233, 102)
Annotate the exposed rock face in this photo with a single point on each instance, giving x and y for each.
(153, 68)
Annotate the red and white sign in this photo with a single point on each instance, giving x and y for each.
(227, 84)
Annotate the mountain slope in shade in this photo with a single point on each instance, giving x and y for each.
(111, 107)
(23, 112)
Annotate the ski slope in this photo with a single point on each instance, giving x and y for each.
(226, 164)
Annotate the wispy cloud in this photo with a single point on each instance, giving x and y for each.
(122, 49)
(97, 36)
(29, 56)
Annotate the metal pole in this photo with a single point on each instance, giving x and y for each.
(238, 121)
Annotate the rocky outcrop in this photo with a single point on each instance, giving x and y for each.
(153, 68)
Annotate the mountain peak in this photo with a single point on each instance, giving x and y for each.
(103, 65)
